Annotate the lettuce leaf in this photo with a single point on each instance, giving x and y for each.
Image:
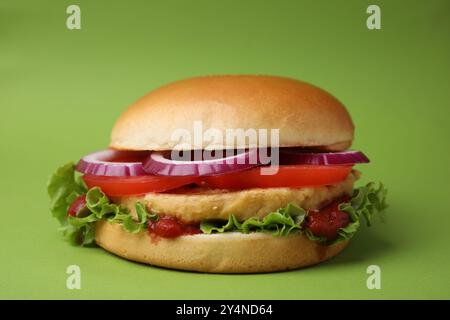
(282, 222)
(64, 187)
(365, 202)
(213, 226)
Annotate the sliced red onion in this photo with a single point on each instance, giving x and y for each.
(113, 163)
(158, 163)
(294, 156)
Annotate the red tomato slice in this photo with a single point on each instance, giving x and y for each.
(287, 176)
(124, 186)
(294, 176)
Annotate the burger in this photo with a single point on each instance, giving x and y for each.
(221, 174)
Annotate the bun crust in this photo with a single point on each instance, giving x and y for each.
(216, 253)
(307, 116)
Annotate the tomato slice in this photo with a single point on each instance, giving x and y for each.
(124, 186)
(293, 176)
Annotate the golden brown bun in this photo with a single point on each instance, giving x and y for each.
(216, 253)
(306, 115)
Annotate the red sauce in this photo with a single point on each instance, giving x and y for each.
(171, 227)
(328, 221)
(77, 205)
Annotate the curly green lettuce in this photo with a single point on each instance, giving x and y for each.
(365, 202)
(282, 222)
(65, 186)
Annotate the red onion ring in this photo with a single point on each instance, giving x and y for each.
(157, 164)
(102, 163)
(288, 156)
(139, 163)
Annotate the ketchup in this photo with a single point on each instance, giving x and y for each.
(328, 221)
(77, 205)
(171, 227)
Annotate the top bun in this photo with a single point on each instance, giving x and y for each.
(306, 116)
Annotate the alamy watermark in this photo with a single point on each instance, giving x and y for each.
(73, 281)
(215, 144)
(374, 279)
(373, 21)
(73, 21)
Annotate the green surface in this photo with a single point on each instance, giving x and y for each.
(61, 91)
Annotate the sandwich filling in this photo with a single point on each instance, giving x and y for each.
(328, 214)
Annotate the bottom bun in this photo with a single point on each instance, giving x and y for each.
(216, 253)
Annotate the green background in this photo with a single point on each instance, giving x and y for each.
(61, 91)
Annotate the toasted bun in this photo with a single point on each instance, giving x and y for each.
(216, 253)
(306, 116)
